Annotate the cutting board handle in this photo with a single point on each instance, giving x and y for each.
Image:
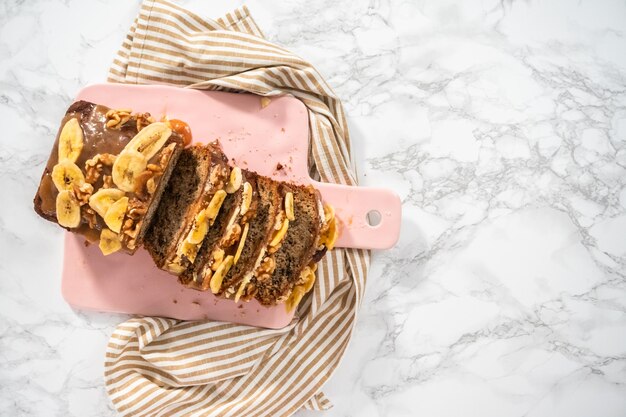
(369, 217)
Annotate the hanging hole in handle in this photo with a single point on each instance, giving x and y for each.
(373, 218)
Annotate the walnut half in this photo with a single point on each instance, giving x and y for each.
(95, 165)
(83, 192)
(132, 224)
(115, 118)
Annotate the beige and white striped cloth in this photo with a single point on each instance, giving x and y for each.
(165, 367)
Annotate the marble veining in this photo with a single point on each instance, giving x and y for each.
(501, 124)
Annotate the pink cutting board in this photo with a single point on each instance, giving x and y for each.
(258, 139)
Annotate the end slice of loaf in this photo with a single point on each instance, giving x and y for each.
(296, 251)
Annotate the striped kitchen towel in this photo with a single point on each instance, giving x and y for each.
(165, 367)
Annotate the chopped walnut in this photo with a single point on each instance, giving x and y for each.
(89, 215)
(204, 280)
(129, 233)
(132, 224)
(263, 277)
(137, 212)
(143, 120)
(251, 211)
(83, 192)
(267, 267)
(93, 166)
(128, 224)
(250, 291)
(132, 232)
(92, 174)
(107, 182)
(232, 236)
(136, 206)
(117, 118)
(107, 159)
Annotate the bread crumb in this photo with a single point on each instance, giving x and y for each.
(265, 101)
(240, 306)
(282, 129)
(279, 166)
(175, 301)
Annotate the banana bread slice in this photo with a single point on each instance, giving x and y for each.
(231, 256)
(222, 238)
(182, 218)
(280, 271)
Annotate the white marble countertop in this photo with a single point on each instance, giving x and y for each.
(502, 125)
